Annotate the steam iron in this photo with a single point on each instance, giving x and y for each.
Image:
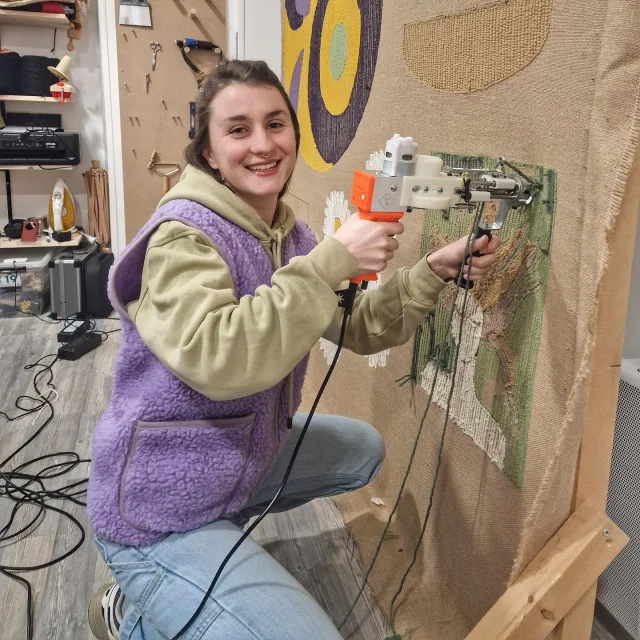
(62, 208)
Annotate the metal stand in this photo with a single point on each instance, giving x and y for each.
(7, 174)
(7, 182)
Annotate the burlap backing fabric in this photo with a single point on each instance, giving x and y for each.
(478, 47)
(569, 103)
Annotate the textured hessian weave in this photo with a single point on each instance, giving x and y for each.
(471, 50)
(573, 110)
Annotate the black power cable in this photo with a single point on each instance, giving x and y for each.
(26, 488)
(68, 321)
(416, 441)
(29, 496)
(32, 489)
(16, 484)
(348, 306)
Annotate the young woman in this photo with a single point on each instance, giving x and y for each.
(222, 295)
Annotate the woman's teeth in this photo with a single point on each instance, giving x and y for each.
(263, 167)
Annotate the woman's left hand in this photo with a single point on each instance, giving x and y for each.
(445, 262)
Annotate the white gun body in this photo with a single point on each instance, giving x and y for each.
(412, 181)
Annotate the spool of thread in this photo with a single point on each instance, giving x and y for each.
(9, 73)
(35, 77)
(61, 70)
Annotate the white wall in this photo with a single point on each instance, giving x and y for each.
(632, 333)
(32, 189)
(108, 39)
(254, 31)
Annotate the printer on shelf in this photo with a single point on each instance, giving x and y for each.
(38, 146)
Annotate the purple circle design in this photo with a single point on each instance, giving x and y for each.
(294, 86)
(333, 134)
(303, 7)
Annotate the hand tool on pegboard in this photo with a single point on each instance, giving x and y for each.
(154, 165)
(186, 46)
(189, 44)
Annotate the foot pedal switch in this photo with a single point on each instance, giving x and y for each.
(75, 349)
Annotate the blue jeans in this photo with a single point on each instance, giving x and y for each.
(255, 597)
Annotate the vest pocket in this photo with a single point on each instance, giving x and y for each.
(181, 475)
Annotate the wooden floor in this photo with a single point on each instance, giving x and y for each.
(311, 542)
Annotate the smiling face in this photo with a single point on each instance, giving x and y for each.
(252, 143)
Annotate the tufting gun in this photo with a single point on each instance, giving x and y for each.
(409, 180)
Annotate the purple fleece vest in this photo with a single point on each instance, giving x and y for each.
(166, 458)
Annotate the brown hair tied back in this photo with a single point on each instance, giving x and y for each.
(251, 72)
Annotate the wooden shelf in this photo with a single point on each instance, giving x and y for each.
(29, 98)
(35, 167)
(45, 241)
(30, 19)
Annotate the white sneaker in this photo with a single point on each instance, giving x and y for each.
(106, 612)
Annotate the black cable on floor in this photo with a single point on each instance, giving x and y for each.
(456, 347)
(348, 306)
(37, 489)
(25, 488)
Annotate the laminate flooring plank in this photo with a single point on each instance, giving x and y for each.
(13, 595)
(312, 543)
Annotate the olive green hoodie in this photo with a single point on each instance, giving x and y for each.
(190, 318)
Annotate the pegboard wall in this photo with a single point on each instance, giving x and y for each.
(157, 116)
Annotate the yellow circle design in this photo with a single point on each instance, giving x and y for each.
(292, 43)
(336, 94)
(338, 100)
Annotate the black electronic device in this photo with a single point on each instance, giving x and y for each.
(51, 121)
(41, 147)
(95, 277)
(61, 236)
(78, 283)
(75, 349)
(73, 330)
(66, 278)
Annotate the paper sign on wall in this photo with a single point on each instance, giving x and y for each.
(135, 13)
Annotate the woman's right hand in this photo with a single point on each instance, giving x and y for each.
(369, 242)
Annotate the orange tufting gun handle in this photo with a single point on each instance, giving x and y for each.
(361, 197)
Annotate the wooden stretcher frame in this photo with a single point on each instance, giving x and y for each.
(557, 590)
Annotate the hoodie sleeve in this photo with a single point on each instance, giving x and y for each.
(221, 346)
(389, 315)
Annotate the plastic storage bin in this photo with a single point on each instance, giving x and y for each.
(24, 280)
